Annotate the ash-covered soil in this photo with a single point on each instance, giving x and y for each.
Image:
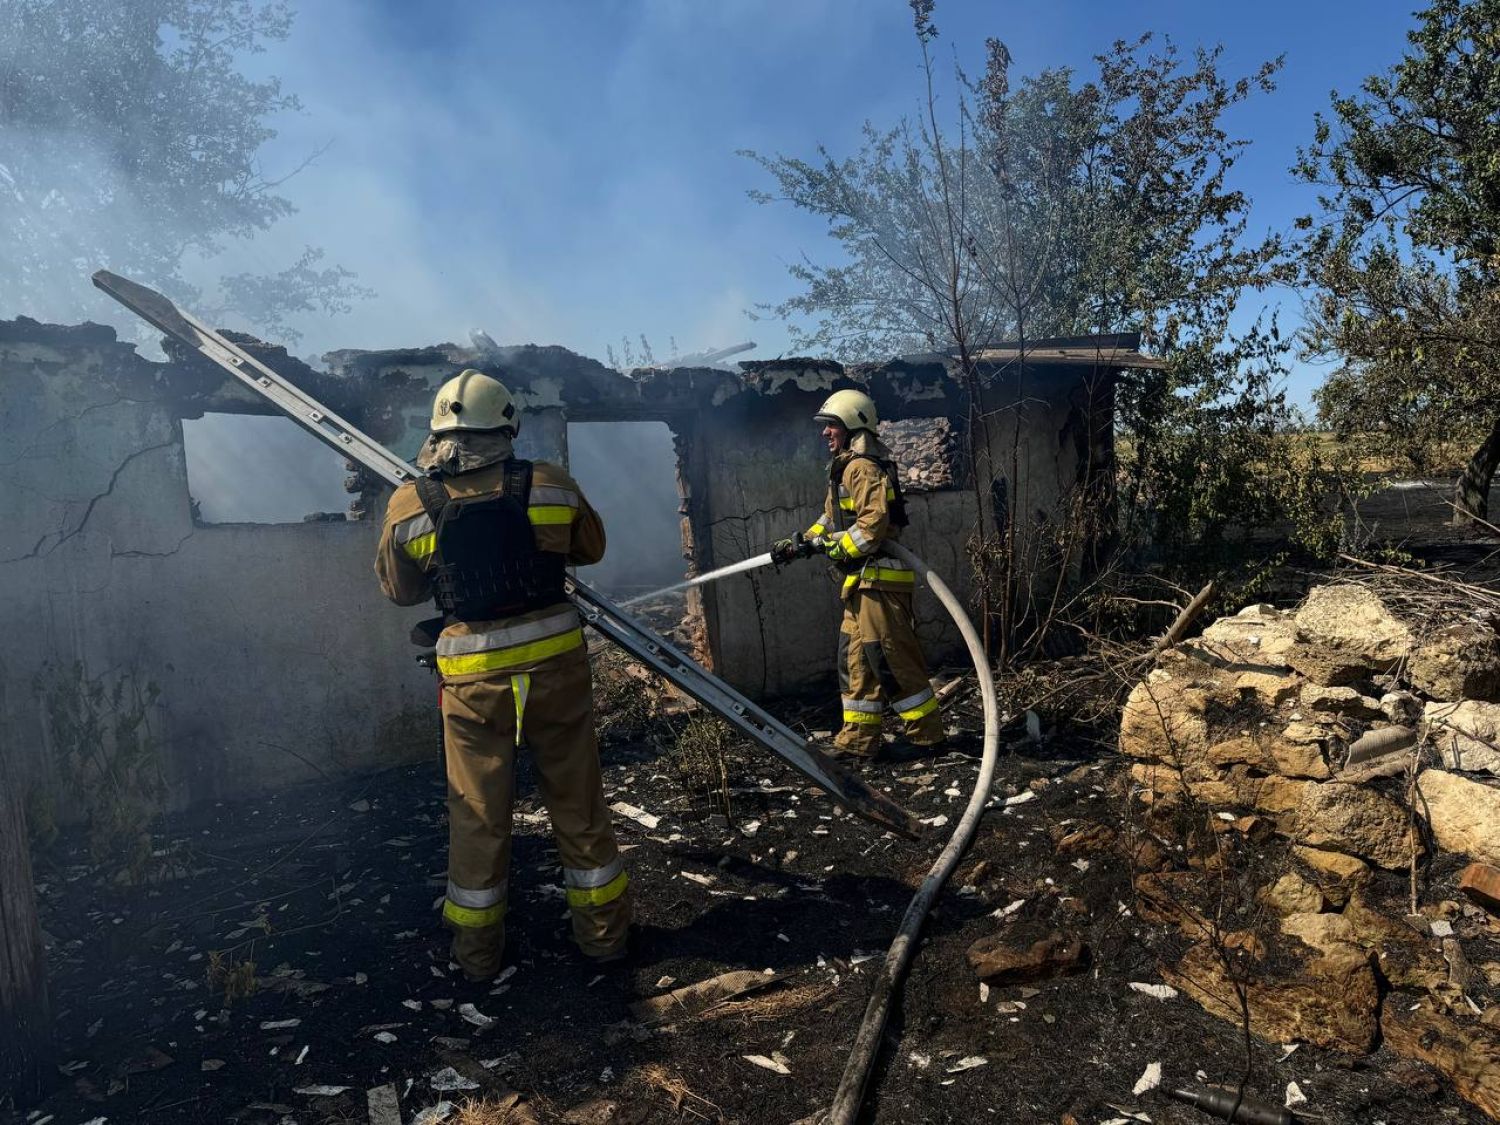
(330, 891)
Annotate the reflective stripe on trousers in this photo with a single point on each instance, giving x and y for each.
(595, 886)
(915, 706)
(474, 908)
(862, 710)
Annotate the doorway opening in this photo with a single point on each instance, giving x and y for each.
(628, 471)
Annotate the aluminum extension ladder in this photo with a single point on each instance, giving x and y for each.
(597, 610)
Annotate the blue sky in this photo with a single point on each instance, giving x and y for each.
(567, 172)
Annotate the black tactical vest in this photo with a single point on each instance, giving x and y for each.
(487, 564)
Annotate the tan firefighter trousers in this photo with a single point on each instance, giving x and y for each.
(881, 666)
(557, 726)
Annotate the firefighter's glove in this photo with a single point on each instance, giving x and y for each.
(837, 553)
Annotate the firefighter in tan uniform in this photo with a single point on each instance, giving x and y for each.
(880, 660)
(488, 536)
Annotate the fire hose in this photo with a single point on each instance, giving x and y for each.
(662, 657)
(851, 1088)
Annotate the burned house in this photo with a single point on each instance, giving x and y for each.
(274, 654)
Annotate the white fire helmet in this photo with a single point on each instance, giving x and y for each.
(472, 400)
(854, 410)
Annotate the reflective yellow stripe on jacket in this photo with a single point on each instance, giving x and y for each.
(548, 506)
(510, 646)
(416, 537)
(855, 542)
(847, 503)
(883, 570)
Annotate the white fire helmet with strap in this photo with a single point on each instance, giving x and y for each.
(854, 410)
(472, 400)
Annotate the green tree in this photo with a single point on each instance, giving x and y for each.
(1065, 205)
(130, 139)
(1404, 253)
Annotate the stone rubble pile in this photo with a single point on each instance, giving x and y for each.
(1353, 747)
(928, 451)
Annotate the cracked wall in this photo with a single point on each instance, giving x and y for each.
(278, 659)
(274, 665)
(762, 466)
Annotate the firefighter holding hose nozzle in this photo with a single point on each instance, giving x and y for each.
(880, 660)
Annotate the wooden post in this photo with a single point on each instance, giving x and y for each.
(25, 1018)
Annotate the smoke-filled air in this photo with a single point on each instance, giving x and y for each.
(699, 562)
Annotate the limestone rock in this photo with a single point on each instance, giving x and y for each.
(1337, 875)
(1292, 895)
(1329, 1000)
(1256, 829)
(1164, 899)
(1258, 635)
(1401, 707)
(1466, 1052)
(1163, 719)
(1157, 785)
(998, 961)
(1466, 734)
(1407, 959)
(1086, 840)
(1461, 661)
(1242, 750)
(1272, 688)
(1328, 667)
(1346, 818)
(1337, 865)
(1148, 855)
(1298, 751)
(1352, 620)
(1302, 751)
(1332, 935)
(1342, 701)
(1464, 814)
(1163, 786)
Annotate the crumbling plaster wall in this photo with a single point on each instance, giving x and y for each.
(762, 463)
(277, 657)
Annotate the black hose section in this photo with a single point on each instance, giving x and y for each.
(851, 1090)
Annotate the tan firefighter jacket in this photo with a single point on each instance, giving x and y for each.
(475, 650)
(856, 516)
